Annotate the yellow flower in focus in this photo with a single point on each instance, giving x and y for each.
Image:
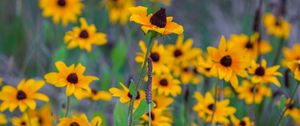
(23, 96)
(161, 102)
(277, 26)
(125, 95)
(166, 85)
(25, 121)
(158, 21)
(250, 45)
(262, 74)
(119, 10)
(80, 120)
(291, 55)
(3, 119)
(158, 55)
(207, 109)
(164, 2)
(65, 11)
(251, 92)
(187, 72)
(204, 64)
(243, 122)
(84, 37)
(43, 115)
(157, 118)
(72, 78)
(228, 63)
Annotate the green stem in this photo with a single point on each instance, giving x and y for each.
(290, 102)
(149, 114)
(275, 60)
(215, 101)
(28, 116)
(253, 105)
(68, 106)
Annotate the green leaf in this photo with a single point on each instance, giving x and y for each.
(282, 102)
(60, 54)
(119, 55)
(120, 116)
(141, 110)
(132, 89)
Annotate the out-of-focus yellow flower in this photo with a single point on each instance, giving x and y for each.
(292, 111)
(291, 55)
(3, 119)
(187, 72)
(294, 66)
(80, 120)
(157, 118)
(208, 108)
(251, 92)
(164, 2)
(158, 21)
(250, 45)
(159, 57)
(65, 11)
(228, 63)
(226, 92)
(125, 95)
(23, 96)
(243, 122)
(262, 74)
(204, 64)
(100, 95)
(25, 121)
(161, 101)
(119, 10)
(277, 26)
(84, 37)
(166, 85)
(71, 77)
(43, 115)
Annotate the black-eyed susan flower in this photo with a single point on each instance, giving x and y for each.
(292, 111)
(187, 72)
(262, 74)
(213, 111)
(157, 118)
(158, 55)
(166, 85)
(23, 96)
(3, 119)
(294, 66)
(72, 78)
(24, 121)
(125, 96)
(291, 55)
(277, 26)
(158, 21)
(250, 44)
(84, 36)
(164, 2)
(204, 64)
(118, 10)
(161, 101)
(80, 120)
(245, 121)
(100, 95)
(43, 115)
(64, 11)
(252, 93)
(228, 63)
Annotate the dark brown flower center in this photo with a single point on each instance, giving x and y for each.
(249, 45)
(211, 107)
(61, 3)
(226, 61)
(152, 115)
(74, 124)
(159, 18)
(186, 69)
(278, 22)
(72, 78)
(260, 71)
(195, 70)
(23, 123)
(163, 82)
(290, 106)
(242, 123)
(155, 56)
(254, 90)
(177, 53)
(207, 69)
(84, 34)
(94, 92)
(40, 120)
(137, 95)
(21, 95)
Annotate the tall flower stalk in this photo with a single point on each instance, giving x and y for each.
(149, 90)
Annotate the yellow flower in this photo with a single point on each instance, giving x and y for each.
(119, 10)
(100, 95)
(226, 92)
(207, 109)
(243, 122)
(43, 115)
(80, 120)
(277, 26)
(65, 11)
(250, 92)
(24, 121)
(158, 55)
(158, 21)
(164, 2)
(204, 65)
(293, 111)
(157, 118)
(125, 95)
(187, 72)
(3, 119)
(228, 63)
(250, 45)
(71, 77)
(262, 74)
(166, 85)
(84, 37)
(295, 68)
(24, 96)
(161, 102)
(291, 55)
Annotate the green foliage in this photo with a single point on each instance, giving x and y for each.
(120, 118)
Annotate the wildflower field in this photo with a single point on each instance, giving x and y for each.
(149, 63)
